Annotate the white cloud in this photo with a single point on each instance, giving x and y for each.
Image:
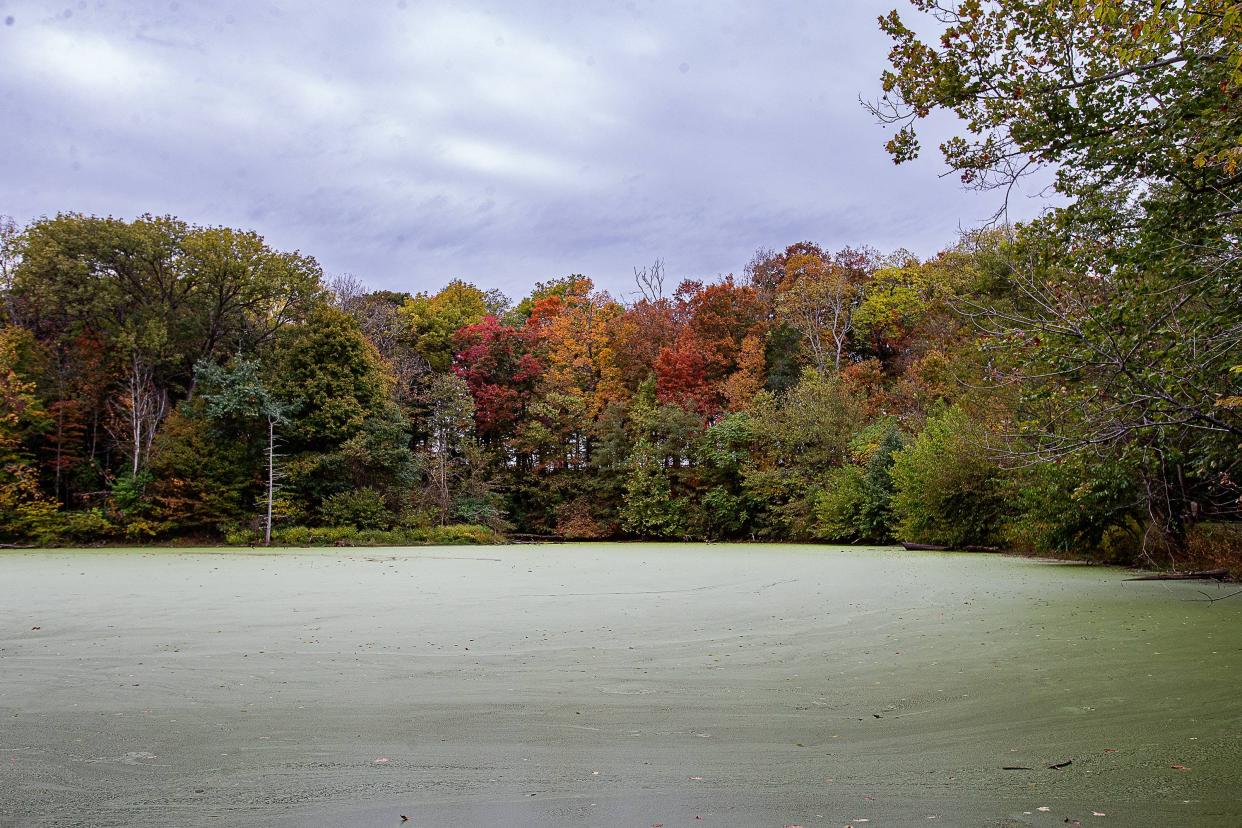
(506, 161)
(84, 65)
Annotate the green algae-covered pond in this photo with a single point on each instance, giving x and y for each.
(611, 685)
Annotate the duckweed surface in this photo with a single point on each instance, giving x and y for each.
(611, 684)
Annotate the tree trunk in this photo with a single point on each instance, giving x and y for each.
(271, 479)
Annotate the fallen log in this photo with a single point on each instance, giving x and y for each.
(1201, 575)
(936, 547)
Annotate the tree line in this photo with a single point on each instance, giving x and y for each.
(1071, 384)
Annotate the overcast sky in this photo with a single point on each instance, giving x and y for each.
(410, 142)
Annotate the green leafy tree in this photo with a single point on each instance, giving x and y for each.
(1081, 506)
(1070, 84)
(648, 509)
(799, 438)
(431, 320)
(722, 452)
(450, 458)
(379, 456)
(202, 476)
(334, 376)
(1119, 321)
(349, 431)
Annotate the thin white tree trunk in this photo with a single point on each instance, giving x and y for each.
(143, 408)
(135, 417)
(271, 479)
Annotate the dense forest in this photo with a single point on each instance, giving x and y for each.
(1072, 384)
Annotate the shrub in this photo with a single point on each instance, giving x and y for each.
(128, 491)
(946, 488)
(453, 535)
(839, 506)
(577, 520)
(482, 509)
(89, 525)
(241, 536)
(141, 530)
(724, 513)
(1069, 507)
(856, 501)
(1212, 545)
(360, 508)
(35, 519)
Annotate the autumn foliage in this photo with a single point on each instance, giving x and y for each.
(838, 396)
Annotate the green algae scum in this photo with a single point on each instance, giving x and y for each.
(612, 684)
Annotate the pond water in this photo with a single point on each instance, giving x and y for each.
(611, 684)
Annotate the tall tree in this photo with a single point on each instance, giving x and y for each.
(818, 297)
(238, 396)
(496, 362)
(22, 505)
